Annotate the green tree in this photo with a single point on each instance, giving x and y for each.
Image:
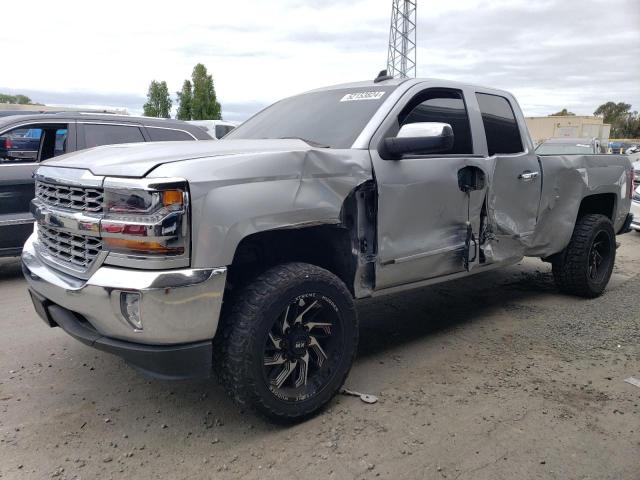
(23, 100)
(185, 99)
(15, 99)
(630, 126)
(204, 105)
(158, 100)
(563, 113)
(619, 115)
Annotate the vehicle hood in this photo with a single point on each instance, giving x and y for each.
(139, 159)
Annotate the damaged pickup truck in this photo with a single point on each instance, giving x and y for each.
(245, 255)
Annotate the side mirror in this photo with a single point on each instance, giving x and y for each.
(420, 138)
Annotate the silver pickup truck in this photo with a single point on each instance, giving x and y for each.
(244, 256)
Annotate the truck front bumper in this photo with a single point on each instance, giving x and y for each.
(177, 312)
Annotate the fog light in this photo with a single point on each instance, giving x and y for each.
(130, 308)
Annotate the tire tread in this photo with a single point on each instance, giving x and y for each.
(232, 350)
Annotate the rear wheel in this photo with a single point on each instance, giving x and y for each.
(287, 341)
(585, 267)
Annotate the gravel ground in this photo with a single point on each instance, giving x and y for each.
(492, 377)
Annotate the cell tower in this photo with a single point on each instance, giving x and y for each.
(401, 60)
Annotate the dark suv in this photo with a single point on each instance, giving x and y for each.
(27, 140)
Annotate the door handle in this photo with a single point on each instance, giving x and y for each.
(527, 175)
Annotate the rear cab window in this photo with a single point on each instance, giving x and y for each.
(500, 125)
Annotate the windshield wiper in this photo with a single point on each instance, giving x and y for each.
(310, 142)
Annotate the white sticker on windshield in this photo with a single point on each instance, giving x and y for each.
(352, 97)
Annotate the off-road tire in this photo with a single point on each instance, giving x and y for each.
(239, 345)
(571, 267)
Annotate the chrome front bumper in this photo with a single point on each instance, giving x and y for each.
(176, 306)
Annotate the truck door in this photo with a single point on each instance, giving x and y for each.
(422, 212)
(514, 190)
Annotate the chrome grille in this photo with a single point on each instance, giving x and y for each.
(71, 197)
(78, 250)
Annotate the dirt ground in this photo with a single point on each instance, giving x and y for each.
(493, 377)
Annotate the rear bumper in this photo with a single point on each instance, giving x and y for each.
(191, 360)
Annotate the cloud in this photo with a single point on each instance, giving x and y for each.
(551, 53)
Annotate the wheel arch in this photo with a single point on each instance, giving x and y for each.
(347, 247)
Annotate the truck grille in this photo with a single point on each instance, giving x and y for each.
(71, 197)
(78, 250)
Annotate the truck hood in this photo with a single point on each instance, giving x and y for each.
(139, 159)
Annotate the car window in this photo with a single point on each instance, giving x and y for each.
(167, 135)
(222, 130)
(33, 133)
(500, 125)
(20, 145)
(101, 134)
(445, 107)
(61, 142)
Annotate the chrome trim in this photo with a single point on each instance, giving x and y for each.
(28, 123)
(165, 297)
(72, 221)
(98, 122)
(68, 176)
(63, 266)
(16, 221)
(68, 268)
(148, 262)
(85, 199)
(166, 183)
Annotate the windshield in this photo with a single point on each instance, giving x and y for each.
(330, 118)
(564, 149)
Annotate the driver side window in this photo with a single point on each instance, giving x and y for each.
(33, 143)
(445, 106)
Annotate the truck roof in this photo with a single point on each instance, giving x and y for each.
(407, 83)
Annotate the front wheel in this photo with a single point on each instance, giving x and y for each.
(287, 341)
(585, 267)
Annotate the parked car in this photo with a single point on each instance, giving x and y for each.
(28, 140)
(618, 147)
(635, 210)
(246, 254)
(569, 146)
(636, 173)
(216, 128)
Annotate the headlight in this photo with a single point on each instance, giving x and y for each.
(146, 219)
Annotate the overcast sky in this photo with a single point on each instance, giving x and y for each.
(551, 53)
